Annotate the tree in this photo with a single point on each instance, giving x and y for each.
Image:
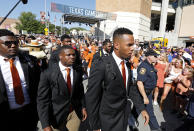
(77, 29)
(28, 22)
(66, 30)
(41, 28)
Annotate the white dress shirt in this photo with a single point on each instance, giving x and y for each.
(7, 76)
(64, 72)
(118, 61)
(105, 53)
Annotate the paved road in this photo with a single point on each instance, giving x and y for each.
(166, 119)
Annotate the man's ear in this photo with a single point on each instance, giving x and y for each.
(60, 56)
(116, 45)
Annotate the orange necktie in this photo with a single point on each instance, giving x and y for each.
(19, 96)
(123, 72)
(68, 80)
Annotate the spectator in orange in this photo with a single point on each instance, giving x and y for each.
(135, 59)
(88, 59)
(93, 47)
(85, 50)
(161, 66)
(192, 61)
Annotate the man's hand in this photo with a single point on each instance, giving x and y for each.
(48, 128)
(146, 100)
(145, 116)
(84, 113)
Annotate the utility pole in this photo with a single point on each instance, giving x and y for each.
(61, 25)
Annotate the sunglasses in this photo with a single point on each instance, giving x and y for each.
(9, 43)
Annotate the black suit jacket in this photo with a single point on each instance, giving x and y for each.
(98, 55)
(54, 59)
(32, 74)
(54, 99)
(106, 97)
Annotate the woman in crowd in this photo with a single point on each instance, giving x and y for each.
(135, 58)
(161, 66)
(183, 83)
(173, 72)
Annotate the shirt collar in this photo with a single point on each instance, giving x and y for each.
(62, 67)
(2, 59)
(117, 59)
(105, 52)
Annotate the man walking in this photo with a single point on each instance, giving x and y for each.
(61, 94)
(104, 51)
(109, 87)
(19, 77)
(146, 81)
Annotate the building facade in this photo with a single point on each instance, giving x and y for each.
(10, 24)
(171, 19)
(132, 14)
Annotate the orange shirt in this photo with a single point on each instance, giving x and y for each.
(135, 62)
(84, 54)
(89, 58)
(192, 63)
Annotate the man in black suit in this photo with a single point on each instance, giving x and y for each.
(104, 51)
(110, 93)
(65, 40)
(61, 94)
(19, 78)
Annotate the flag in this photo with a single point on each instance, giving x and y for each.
(48, 16)
(57, 7)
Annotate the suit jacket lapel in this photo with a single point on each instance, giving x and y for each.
(117, 71)
(2, 86)
(61, 81)
(129, 76)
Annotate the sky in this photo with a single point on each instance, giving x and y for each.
(35, 6)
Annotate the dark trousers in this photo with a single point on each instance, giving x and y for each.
(153, 123)
(133, 117)
(22, 119)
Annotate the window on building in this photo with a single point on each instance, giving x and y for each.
(159, 1)
(188, 2)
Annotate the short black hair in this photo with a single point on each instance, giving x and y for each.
(23, 35)
(121, 31)
(65, 37)
(32, 37)
(106, 41)
(5, 32)
(64, 48)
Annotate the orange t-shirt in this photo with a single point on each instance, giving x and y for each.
(135, 62)
(84, 54)
(89, 58)
(192, 63)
